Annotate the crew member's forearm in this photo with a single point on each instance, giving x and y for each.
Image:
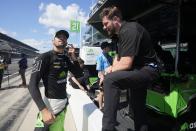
(76, 81)
(119, 67)
(101, 74)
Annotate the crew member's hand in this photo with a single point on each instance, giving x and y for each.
(101, 81)
(47, 116)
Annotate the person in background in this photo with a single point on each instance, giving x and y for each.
(52, 67)
(22, 69)
(81, 79)
(3, 66)
(135, 67)
(104, 60)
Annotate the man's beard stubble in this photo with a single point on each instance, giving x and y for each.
(60, 46)
(112, 32)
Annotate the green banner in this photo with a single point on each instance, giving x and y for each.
(75, 26)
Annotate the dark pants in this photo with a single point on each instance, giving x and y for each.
(1, 76)
(22, 74)
(137, 81)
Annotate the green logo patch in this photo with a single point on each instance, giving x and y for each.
(62, 74)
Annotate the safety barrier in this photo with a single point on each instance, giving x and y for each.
(86, 115)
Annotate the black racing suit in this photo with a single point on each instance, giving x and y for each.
(52, 68)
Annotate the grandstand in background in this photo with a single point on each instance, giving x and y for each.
(12, 48)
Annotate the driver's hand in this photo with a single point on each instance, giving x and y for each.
(71, 49)
(47, 116)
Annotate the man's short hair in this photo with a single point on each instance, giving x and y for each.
(110, 12)
(62, 32)
(104, 45)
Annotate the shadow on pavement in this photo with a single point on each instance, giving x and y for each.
(11, 87)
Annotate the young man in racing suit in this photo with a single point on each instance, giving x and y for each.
(52, 67)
